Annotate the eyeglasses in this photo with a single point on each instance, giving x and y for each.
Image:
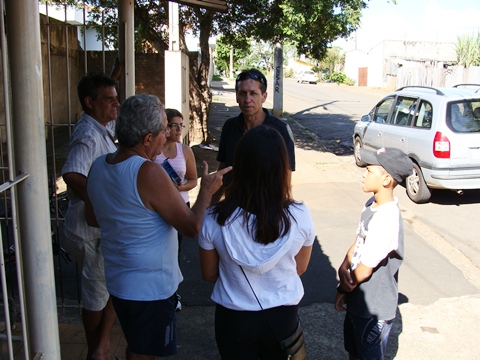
(165, 131)
(176, 126)
(251, 74)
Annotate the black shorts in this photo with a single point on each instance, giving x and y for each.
(149, 326)
(248, 335)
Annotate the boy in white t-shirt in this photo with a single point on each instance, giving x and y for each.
(369, 273)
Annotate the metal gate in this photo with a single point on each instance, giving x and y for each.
(64, 58)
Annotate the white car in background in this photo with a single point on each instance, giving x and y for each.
(307, 76)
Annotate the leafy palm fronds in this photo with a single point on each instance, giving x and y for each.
(468, 50)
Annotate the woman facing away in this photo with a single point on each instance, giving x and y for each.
(260, 229)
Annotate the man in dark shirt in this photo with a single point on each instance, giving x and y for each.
(251, 93)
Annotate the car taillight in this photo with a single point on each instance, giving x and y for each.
(441, 146)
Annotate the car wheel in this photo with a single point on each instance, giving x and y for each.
(417, 189)
(357, 145)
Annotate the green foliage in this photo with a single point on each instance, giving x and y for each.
(241, 49)
(348, 81)
(334, 60)
(338, 77)
(468, 50)
(311, 25)
(290, 73)
(308, 25)
(261, 56)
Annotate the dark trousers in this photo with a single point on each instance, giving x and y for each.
(248, 335)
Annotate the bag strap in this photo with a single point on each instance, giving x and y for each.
(261, 307)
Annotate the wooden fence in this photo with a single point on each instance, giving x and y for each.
(436, 75)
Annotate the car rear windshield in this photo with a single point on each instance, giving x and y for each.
(464, 116)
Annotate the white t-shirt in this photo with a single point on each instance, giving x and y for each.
(271, 269)
(374, 245)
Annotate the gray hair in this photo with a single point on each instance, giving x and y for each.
(138, 116)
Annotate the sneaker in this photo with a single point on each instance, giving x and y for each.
(179, 304)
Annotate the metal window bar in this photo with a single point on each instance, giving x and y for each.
(10, 184)
(59, 132)
(55, 130)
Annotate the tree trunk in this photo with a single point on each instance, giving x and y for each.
(200, 94)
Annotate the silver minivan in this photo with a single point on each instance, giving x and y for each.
(438, 128)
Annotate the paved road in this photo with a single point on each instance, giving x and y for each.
(330, 112)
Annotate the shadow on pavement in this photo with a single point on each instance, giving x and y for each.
(447, 197)
(320, 279)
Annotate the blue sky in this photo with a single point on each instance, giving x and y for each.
(434, 20)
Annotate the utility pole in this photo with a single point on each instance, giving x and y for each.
(278, 80)
(126, 47)
(231, 61)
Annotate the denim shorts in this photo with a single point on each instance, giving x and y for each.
(366, 338)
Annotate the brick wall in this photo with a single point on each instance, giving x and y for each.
(149, 70)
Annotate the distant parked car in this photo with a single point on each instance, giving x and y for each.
(307, 76)
(439, 129)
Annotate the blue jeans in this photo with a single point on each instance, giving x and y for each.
(366, 338)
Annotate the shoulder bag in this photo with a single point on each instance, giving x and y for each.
(293, 346)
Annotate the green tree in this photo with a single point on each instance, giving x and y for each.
(241, 49)
(311, 25)
(468, 50)
(334, 60)
(261, 56)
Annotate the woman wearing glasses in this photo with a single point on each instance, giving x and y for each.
(180, 156)
(254, 245)
(181, 159)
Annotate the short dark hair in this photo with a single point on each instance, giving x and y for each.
(171, 113)
(253, 74)
(260, 186)
(90, 84)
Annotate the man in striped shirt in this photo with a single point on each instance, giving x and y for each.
(92, 136)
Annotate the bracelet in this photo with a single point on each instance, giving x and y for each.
(341, 290)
